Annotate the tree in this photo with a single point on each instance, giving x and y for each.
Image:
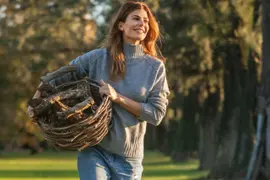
(37, 37)
(213, 47)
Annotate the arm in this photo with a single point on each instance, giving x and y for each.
(130, 105)
(154, 109)
(85, 62)
(127, 103)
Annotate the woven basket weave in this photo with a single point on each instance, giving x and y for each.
(73, 130)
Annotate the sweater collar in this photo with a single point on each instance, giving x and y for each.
(132, 51)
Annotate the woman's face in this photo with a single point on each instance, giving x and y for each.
(136, 27)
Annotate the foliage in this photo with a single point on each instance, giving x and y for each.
(37, 37)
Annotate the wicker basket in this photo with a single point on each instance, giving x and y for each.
(68, 129)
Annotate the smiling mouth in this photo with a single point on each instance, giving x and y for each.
(140, 30)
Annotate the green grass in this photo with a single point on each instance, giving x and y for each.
(62, 166)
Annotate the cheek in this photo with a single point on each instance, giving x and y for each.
(129, 30)
(126, 31)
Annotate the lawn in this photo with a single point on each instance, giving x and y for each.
(62, 166)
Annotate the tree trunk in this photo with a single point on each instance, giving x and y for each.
(265, 76)
(235, 135)
(208, 128)
(207, 143)
(260, 160)
(186, 139)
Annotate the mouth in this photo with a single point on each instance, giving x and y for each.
(139, 30)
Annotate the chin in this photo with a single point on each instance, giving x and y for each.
(137, 38)
(140, 38)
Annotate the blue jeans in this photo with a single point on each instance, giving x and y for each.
(96, 163)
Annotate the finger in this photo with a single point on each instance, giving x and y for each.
(102, 82)
(101, 91)
(103, 95)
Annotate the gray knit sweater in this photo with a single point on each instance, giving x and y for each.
(144, 82)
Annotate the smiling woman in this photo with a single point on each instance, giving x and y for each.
(131, 71)
(135, 82)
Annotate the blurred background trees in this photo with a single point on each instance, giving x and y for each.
(37, 37)
(213, 49)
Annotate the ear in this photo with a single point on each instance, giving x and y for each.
(120, 26)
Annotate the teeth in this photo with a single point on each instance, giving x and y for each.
(139, 30)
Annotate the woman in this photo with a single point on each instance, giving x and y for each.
(134, 77)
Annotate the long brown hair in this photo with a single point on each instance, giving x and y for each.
(114, 44)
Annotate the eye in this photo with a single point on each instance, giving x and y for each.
(146, 21)
(136, 18)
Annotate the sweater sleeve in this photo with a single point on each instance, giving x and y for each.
(84, 63)
(154, 109)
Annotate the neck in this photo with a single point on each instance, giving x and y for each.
(132, 51)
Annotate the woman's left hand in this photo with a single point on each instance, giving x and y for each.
(107, 89)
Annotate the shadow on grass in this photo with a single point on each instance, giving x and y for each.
(43, 155)
(38, 173)
(162, 169)
(169, 172)
(155, 165)
(166, 163)
(74, 174)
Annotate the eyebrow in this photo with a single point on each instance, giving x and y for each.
(140, 17)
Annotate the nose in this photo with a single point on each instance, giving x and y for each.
(141, 23)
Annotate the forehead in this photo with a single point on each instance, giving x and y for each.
(139, 12)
